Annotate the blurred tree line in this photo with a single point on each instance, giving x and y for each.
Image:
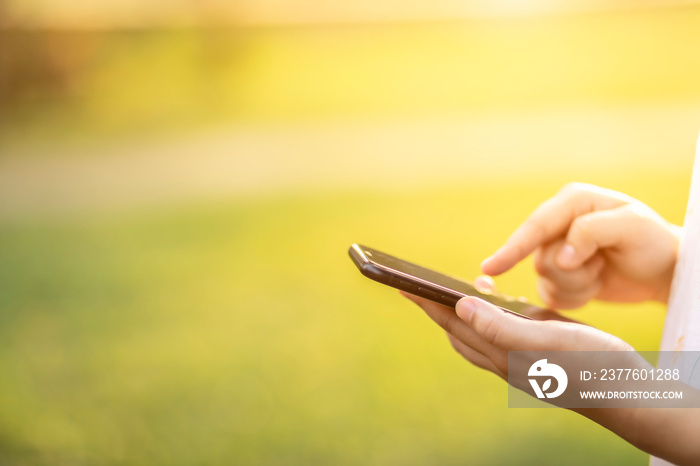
(37, 66)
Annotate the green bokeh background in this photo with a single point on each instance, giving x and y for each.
(235, 330)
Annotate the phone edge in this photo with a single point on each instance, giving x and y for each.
(434, 294)
(371, 271)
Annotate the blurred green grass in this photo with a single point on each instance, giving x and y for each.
(239, 332)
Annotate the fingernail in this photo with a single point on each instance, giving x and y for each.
(483, 285)
(466, 307)
(567, 255)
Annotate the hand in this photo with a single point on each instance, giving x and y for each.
(591, 242)
(483, 333)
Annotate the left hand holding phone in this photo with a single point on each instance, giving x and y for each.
(483, 334)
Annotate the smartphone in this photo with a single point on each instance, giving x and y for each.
(427, 283)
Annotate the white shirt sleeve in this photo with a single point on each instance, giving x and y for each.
(682, 326)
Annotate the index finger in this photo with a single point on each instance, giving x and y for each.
(549, 221)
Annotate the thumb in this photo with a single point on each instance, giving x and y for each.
(502, 329)
(594, 231)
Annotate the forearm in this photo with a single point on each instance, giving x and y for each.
(668, 433)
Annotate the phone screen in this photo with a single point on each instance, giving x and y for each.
(426, 283)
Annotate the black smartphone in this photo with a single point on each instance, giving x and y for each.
(427, 283)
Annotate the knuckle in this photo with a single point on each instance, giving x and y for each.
(538, 230)
(543, 261)
(582, 226)
(639, 213)
(500, 362)
(446, 322)
(573, 189)
(591, 278)
(490, 329)
(455, 345)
